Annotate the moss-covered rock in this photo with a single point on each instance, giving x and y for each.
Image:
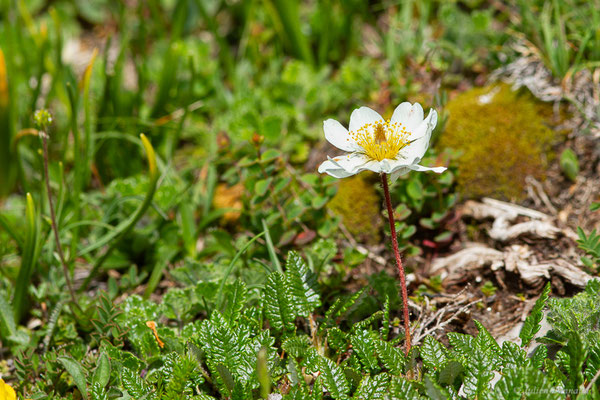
(501, 137)
(358, 204)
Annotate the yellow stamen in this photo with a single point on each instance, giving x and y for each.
(381, 140)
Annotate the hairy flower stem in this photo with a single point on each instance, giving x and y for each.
(388, 203)
(53, 217)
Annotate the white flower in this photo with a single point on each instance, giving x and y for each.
(393, 147)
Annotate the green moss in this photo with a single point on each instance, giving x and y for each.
(358, 204)
(501, 138)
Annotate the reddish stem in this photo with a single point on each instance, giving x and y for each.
(388, 203)
(53, 219)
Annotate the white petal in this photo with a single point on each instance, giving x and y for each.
(351, 163)
(338, 136)
(362, 116)
(372, 165)
(332, 169)
(397, 173)
(409, 115)
(420, 138)
(417, 167)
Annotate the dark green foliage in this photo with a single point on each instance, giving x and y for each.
(580, 314)
(532, 323)
(591, 245)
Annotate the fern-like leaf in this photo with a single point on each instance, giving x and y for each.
(235, 298)
(531, 326)
(333, 377)
(302, 285)
(278, 308)
(433, 353)
(363, 343)
(373, 388)
(135, 385)
(391, 357)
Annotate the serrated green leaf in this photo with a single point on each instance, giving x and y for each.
(76, 371)
(575, 350)
(296, 346)
(302, 285)
(512, 355)
(278, 308)
(231, 347)
(485, 341)
(592, 362)
(332, 376)
(538, 356)
(479, 373)
(363, 343)
(391, 357)
(433, 353)
(402, 389)
(461, 344)
(532, 323)
(337, 339)
(234, 300)
(385, 324)
(373, 388)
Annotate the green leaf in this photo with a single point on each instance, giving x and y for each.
(76, 371)
(569, 164)
(296, 346)
(261, 186)
(302, 285)
(363, 343)
(415, 189)
(337, 339)
(230, 346)
(532, 323)
(485, 339)
(29, 258)
(435, 391)
(331, 375)
(226, 377)
(400, 388)
(317, 202)
(7, 319)
(592, 362)
(575, 350)
(433, 353)
(278, 309)
(102, 372)
(391, 357)
(461, 343)
(270, 247)
(235, 299)
(449, 372)
(373, 388)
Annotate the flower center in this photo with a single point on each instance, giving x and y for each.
(382, 139)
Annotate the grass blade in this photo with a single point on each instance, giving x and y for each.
(124, 227)
(29, 257)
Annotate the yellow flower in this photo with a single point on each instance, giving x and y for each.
(7, 392)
